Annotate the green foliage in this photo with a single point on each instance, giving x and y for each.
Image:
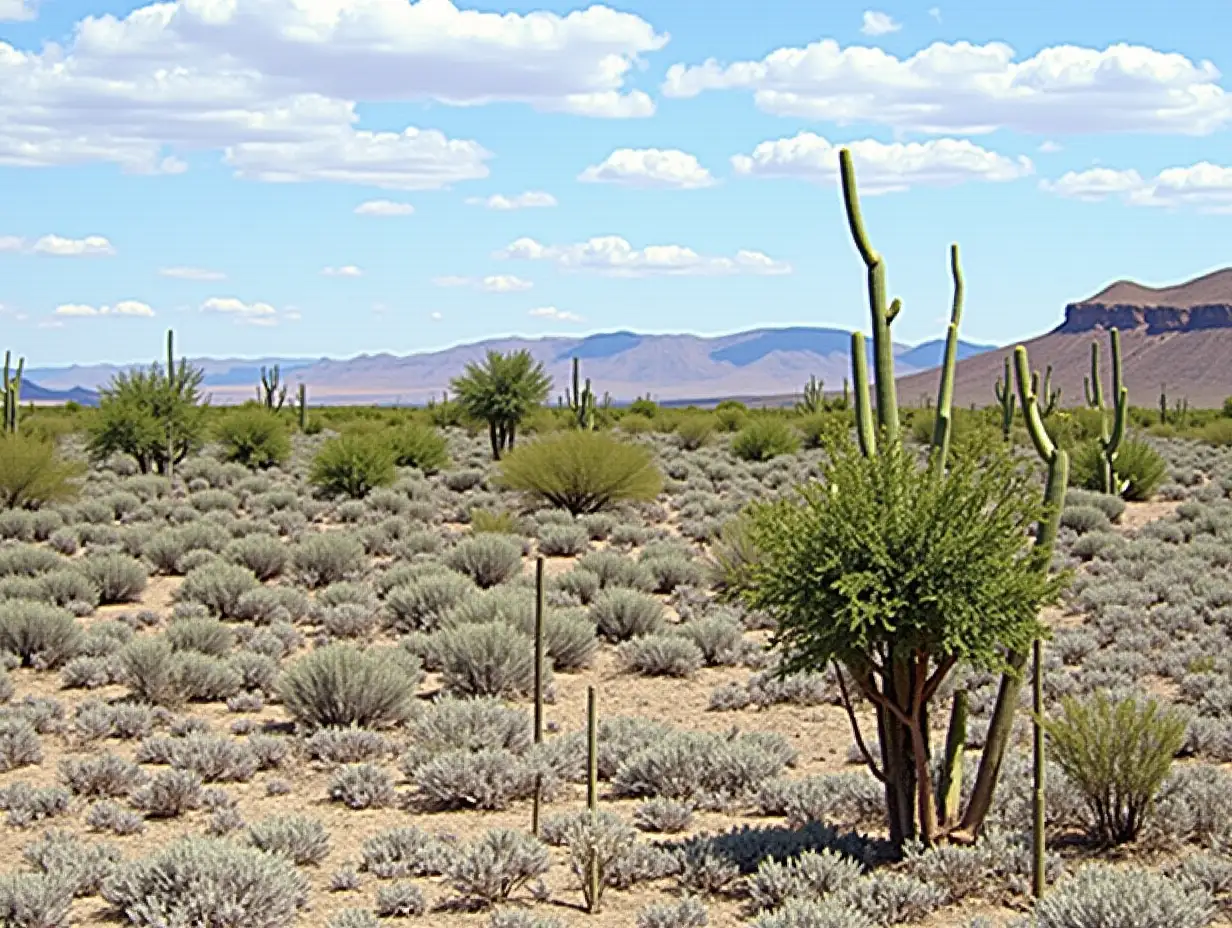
(823, 428)
(1226, 409)
(582, 471)
(1118, 755)
(731, 415)
(340, 685)
(502, 391)
(694, 431)
(420, 447)
(38, 634)
(491, 522)
(886, 556)
(253, 436)
(635, 423)
(353, 465)
(644, 406)
(1137, 462)
(32, 473)
(148, 413)
(765, 438)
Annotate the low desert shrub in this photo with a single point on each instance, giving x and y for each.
(661, 655)
(488, 779)
(322, 559)
(254, 437)
(406, 851)
(1137, 462)
(582, 471)
(208, 881)
(765, 438)
(1118, 754)
(621, 614)
(265, 555)
(400, 900)
(692, 432)
(340, 685)
(362, 786)
(684, 913)
(353, 465)
(300, 839)
(218, 586)
(485, 659)
(487, 558)
(491, 869)
(39, 635)
(1100, 896)
(33, 474)
(420, 604)
(420, 447)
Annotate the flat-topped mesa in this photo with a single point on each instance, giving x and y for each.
(1202, 303)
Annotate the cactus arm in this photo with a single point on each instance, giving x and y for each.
(883, 349)
(864, 414)
(1091, 386)
(1030, 408)
(945, 393)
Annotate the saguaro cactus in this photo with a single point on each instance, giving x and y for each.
(581, 400)
(272, 393)
(1004, 392)
(303, 407)
(1050, 398)
(814, 399)
(12, 395)
(1112, 432)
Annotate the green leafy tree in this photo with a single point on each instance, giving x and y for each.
(31, 472)
(502, 391)
(156, 415)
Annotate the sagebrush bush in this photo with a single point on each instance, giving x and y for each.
(1118, 754)
(362, 786)
(765, 438)
(488, 558)
(265, 555)
(218, 586)
(253, 436)
(692, 432)
(582, 471)
(488, 779)
(419, 605)
(703, 767)
(19, 744)
(1100, 896)
(485, 659)
(661, 655)
(35, 900)
(489, 870)
(40, 635)
(323, 559)
(684, 913)
(621, 614)
(353, 465)
(208, 881)
(341, 685)
(470, 724)
(406, 851)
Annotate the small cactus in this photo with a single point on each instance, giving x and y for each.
(1003, 390)
(581, 401)
(12, 395)
(272, 393)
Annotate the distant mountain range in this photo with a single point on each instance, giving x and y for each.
(626, 365)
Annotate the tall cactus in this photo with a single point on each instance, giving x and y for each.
(1163, 404)
(1050, 398)
(1003, 390)
(1110, 433)
(581, 400)
(303, 407)
(12, 395)
(272, 393)
(814, 398)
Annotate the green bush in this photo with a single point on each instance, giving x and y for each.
(420, 447)
(1117, 754)
(253, 436)
(582, 471)
(353, 465)
(340, 685)
(31, 473)
(694, 431)
(763, 439)
(1136, 461)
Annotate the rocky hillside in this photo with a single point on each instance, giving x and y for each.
(1180, 336)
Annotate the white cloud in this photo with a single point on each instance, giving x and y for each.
(243, 313)
(935, 12)
(275, 84)
(1049, 147)
(493, 283)
(347, 270)
(383, 208)
(881, 167)
(615, 257)
(649, 167)
(972, 89)
(90, 246)
(122, 308)
(435, 317)
(527, 200)
(559, 315)
(16, 11)
(1205, 187)
(191, 273)
(876, 23)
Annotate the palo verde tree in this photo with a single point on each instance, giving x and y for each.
(156, 415)
(502, 391)
(897, 569)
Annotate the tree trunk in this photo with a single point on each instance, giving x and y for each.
(897, 760)
(995, 745)
(492, 437)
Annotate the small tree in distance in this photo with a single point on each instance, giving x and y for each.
(502, 391)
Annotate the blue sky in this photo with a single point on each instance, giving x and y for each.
(213, 167)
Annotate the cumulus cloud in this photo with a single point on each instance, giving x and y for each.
(243, 313)
(935, 12)
(191, 273)
(1204, 187)
(876, 23)
(122, 308)
(58, 246)
(493, 283)
(527, 200)
(347, 270)
(975, 89)
(275, 84)
(613, 256)
(383, 208)
(16, 11)
(881, 167)
(649, 167)
(551, 312)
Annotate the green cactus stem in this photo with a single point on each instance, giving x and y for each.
(814, 397)
(1003, 390)
(303, 407)
(1163, 404)
(581, 401)
(12, 395)
(272, 393)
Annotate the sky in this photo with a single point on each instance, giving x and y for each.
(306, 178)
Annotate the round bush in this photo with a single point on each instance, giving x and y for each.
(621, 614)
(765, 438)
(254, 437)
(340, 685)
(420, 447)
(353, 465)
(485, 659)
(488, 559)
(39, 634)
